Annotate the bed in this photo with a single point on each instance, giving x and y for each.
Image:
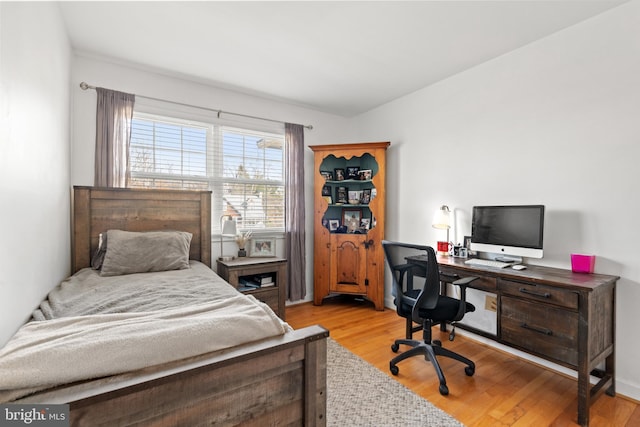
(277, 380)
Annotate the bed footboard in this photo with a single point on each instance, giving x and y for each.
(277, 381)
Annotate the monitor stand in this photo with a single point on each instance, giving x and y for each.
(509, 258)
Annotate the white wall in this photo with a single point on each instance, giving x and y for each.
(327, 129)
(555, 123)
(34, 158)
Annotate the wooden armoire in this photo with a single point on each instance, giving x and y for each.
(349, 218)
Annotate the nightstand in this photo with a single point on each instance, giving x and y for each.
(273, 270)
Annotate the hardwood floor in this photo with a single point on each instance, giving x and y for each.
(505, 390)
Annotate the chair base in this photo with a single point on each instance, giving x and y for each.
(429, 351)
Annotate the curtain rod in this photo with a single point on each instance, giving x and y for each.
(85, 86)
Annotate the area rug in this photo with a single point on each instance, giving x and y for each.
(359, 394)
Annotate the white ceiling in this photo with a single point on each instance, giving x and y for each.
(342, 57)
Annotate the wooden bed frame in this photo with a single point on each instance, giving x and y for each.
(277, 381)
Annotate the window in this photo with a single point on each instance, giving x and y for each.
(243, 168)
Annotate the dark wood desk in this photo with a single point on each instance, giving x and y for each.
(564, 317)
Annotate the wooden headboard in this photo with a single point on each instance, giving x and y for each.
(96, 210)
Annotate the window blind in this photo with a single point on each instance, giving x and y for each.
(242, 166)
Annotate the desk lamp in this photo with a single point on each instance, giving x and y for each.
(442, 221)
(228, 227)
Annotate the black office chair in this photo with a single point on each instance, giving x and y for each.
(415, 265)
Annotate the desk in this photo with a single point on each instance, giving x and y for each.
(563, 317)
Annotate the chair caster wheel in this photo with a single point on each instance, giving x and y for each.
(395, 347)
(394, 369)
(470, 370)
(444, 390)
(452, 336)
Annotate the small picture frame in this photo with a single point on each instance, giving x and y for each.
(338, 174)
(365, 175)
(334, 224)
(326, 190)
(352, 172)
(325, 223)
(365, 223)
(467, 244)
(262, 247)
(328, 175)
(341, 195)
(350, 216)
(366, 196)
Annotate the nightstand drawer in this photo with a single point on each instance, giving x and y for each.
(268, 296)
(540, 293)
(540, 328)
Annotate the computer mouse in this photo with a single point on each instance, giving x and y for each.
(518, 267)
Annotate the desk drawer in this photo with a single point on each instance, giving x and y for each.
(541, 293)
(543, 329)
(489, 284)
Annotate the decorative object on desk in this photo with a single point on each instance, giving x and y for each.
(467, 244)
(365, 175)
(351, 219)
(241, 240)
(338, 174)
(459, 251)
(442, 221)
(228, 229)
(443, 247)
(581, 263)
(352, 172)
(262, 247)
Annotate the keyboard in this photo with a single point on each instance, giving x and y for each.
(487, 263)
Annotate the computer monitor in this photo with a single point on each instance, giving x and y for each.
(512, 232)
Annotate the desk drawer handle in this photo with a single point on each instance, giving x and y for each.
(540, 330)
(535, 294)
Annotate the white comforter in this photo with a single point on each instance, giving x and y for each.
(75, 345)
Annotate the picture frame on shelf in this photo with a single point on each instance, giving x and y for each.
(351, 218)
(366, 196)
(262, 247)
(466, 243)
(338, 174)
(326, 190)
(341, 195)
(325, 223)
(352, 172)
(365, 223)
(334, 224)
(354, 197)
(328, 175)
(365, 175)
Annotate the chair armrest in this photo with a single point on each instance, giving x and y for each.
(464, 281)
(463, 295)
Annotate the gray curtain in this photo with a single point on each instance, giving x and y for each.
(113, 133)
(294, 214)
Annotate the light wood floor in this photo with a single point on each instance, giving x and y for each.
(505, 390)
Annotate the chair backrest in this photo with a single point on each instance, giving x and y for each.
(413, 266)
